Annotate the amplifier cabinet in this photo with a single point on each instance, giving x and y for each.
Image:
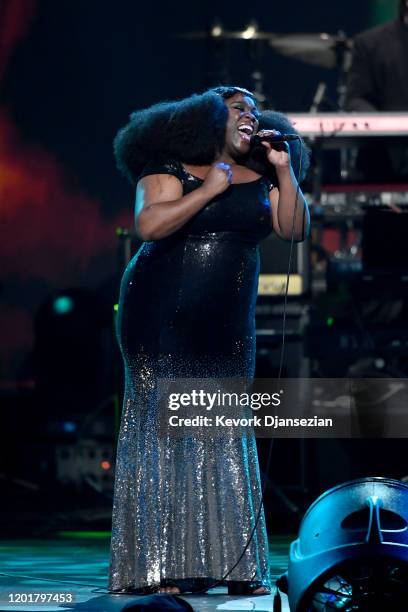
(275, 254)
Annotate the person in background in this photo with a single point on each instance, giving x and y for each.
(378, 82)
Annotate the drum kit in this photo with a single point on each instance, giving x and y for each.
(331, 51)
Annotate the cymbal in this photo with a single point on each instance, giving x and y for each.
(316, 49)
(216, 31)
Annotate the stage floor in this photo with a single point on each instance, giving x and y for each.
(78, 563)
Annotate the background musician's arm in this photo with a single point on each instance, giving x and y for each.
(360, 81)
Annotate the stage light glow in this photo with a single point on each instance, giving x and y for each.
(69, 426)
(216, 30)
(97, 535)
(250, 31)
(63, 304)
(106, 465)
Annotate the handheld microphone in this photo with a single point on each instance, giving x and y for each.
(273, 138)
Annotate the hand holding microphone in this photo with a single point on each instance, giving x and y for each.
(276, 147)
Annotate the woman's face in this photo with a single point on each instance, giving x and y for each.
(241, 125)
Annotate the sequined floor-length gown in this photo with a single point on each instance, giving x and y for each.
(185, 507)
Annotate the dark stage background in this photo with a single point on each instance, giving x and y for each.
(71, 71)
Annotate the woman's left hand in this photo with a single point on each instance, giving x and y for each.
(280, 159)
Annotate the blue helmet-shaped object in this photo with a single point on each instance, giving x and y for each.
(352, 549)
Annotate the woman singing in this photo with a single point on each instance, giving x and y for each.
(185, 508)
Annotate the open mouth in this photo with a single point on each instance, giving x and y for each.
(245, 131)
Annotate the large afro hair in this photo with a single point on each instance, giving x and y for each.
(192, 131)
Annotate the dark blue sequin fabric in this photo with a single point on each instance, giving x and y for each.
(184, 508)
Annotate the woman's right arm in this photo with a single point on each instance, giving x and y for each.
(161, 208)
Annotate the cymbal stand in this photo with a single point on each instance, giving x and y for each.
(343, 63)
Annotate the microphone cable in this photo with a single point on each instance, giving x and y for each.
(268, 463)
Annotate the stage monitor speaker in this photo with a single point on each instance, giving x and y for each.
(275, 253)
